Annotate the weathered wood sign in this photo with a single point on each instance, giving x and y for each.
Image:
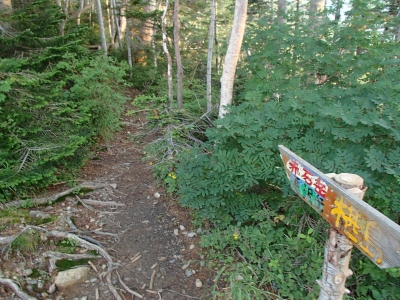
(373, 233)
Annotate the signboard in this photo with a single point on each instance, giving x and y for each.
(373, 233)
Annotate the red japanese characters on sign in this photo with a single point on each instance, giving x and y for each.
(374, 234)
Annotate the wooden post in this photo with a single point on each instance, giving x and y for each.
(338, 247)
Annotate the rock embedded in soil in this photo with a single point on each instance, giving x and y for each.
(188, 273)
(52, 289)
(199, 284)
(67, 278)
(37, 214)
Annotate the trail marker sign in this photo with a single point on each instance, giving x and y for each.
(370, 231)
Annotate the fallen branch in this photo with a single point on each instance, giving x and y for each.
(93, 266)
(55, 256)
(152, 279)
(12, 285)
(40, 201)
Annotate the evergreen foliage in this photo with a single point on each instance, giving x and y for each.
(56, 100)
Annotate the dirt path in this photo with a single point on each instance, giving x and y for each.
(151, 227)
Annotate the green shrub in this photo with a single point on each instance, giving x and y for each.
(332, 97)
(49, 120)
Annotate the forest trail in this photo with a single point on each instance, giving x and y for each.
(152, 244)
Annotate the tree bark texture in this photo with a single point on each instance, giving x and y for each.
(179, 74)
(211, 37)
(338, 248)
(169, 60)
(101, 27)
(232, 56)
(109, 19)
(281, 11)
(123, 21)
(64, 22)
(146, 32)
(116, 22)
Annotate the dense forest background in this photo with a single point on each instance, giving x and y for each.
(320, 78)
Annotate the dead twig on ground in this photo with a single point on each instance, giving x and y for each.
(152, 279)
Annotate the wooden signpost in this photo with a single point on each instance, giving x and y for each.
(370, 231)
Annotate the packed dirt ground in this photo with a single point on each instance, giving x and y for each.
(152, 245)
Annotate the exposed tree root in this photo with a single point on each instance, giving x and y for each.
(12, 285)
(127, 288)
(40, 201)
(55, 256)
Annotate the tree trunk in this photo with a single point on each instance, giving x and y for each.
(210, 54)
(111, 22)
(80, 8)
(128, 46)
(64, 22)
(165, 48)
(281, 11)
(232, 56)
(116, 22)
(101, 27)
(338, 247)
(123, 21)
(179, 74)
(146, 32)
(109, 19)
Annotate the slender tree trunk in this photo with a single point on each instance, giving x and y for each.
(210, 54)
(281, 11)
(109, 20)
(90, 13)
(116, 22)
(64, 22)
(146, 32)
(169, 60)
(80, 8)
(112, 24)
(232, 56)
(128, 46)
(397, 16)
(179, 74)
(123, 22)
(101, 27)
(271, 6)
(217, 54)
